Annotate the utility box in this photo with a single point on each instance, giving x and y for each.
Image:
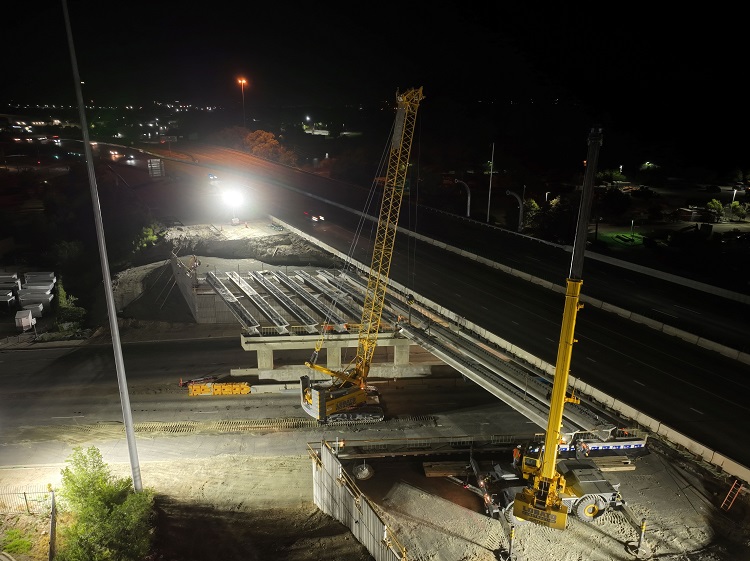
(25, 320)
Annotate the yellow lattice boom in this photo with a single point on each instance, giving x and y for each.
(395, 182)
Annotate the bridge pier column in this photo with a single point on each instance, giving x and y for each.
(333, 354)
(401, 355)
(265, 359)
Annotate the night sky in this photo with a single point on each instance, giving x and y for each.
(663, 75)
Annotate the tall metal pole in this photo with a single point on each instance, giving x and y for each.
(468, 198)
(242, 82)
(119, 363)
(489, 195)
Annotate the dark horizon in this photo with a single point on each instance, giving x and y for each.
(664, 87)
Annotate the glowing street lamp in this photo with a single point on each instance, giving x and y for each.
(242, 83)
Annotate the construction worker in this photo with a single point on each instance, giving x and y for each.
(581, 447)
(517, 456)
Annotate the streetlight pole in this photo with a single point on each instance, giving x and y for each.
(520, 208)
(127, 413)
(242, 83)
(468, 198)
(489, 195)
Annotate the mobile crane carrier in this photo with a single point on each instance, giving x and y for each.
(345, 395)
(556, 488)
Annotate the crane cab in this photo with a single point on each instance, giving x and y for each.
(531, 459)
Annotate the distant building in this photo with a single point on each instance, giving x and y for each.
(695, 214)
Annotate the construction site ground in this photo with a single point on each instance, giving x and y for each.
(227, 498)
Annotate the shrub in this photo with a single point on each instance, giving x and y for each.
(110, 521)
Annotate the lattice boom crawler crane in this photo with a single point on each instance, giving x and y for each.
(345, 395)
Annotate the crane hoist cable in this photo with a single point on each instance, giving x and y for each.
(371, 200)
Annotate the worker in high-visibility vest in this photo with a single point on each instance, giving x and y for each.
(582, 447)
(517, 456)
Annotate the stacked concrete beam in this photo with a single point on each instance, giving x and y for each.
(36, 309)
(35, 298)
(39, 286)
(9, 284)
(44, 276)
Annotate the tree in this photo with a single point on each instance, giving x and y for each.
(530, 210)
(146, 238)
(233, 137)
(109, 520)
(610, 175)
(557, 222)
(716, 208)
(67, 312)
(265, 145)
(737, 210)
(87, 479)
(66, 255)
(613, 203)
(741, 210)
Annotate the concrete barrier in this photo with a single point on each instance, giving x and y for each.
(684, 335)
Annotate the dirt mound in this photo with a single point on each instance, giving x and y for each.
(277, 249)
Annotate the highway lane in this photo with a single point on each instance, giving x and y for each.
(68, 387)
(75, 383)
(698, 392)
(712, 317)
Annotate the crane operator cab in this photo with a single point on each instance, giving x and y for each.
(531, 459)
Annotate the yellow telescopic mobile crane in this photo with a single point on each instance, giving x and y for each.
(346, 392)
(548, 498)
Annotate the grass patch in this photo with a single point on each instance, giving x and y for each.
(620, 239)
(14, 541)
